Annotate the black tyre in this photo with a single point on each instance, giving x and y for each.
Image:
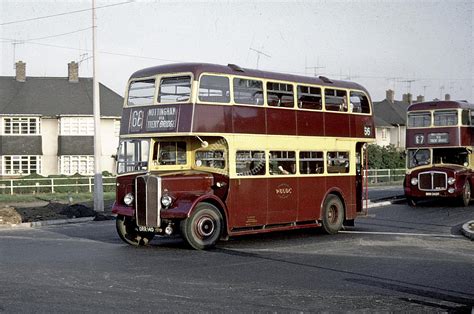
(411, 201)
(333, 214)
(203, 228)
(466, 194)
(127, 229)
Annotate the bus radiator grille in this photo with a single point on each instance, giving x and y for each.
(432, 181)
(148, 207)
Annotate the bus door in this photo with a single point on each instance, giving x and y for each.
(360, 166)
(248, 192)
(282, 188)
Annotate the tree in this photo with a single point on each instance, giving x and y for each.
(385, 157)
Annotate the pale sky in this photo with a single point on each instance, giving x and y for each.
(379, 44)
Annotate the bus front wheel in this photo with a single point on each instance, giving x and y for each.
(333, 214)
(466, 194)
(203, 228)
(128, 231)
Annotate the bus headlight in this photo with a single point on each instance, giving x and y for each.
(128, 199)
(166, 200)
(451, 190)
(451, 180)
(414, 181)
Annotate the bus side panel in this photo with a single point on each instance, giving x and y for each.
(358, 125)
(337, 124)
(249, 120)
(247, 202)
(347, 187)
(310, 123)
(282, 200)
(311, 193)
(185, 118)
(212, 119)
(281, 121)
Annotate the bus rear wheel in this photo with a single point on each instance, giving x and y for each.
(203, 228)
(466, 194)
(333, 214)
(127, 230)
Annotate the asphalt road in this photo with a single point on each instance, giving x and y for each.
(396, 259)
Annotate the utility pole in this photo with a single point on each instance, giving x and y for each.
(98, 188)
(259, 53)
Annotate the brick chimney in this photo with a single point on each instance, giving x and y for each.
(447, 97)
(73, 72)
(390, 95)
(420, 98)
(20, 67)
(408, 98)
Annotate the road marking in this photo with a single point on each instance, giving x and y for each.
(406, 234)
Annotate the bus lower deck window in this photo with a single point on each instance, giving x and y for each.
(338, 162)
(211, 159)
(311, 162)
(250, 163)
(282, 163)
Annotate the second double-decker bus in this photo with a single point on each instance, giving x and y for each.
(439, 140)
(210, 151)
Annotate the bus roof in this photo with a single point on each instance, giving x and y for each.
(441, 104)
(198, 68)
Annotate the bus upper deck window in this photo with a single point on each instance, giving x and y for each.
(336, 100)
(280, 95)
(141, 92)
(445, 118)
(249, 92)
(175, 89)
(309, 97)
(359, 103)
(214, 89)
(419, 119)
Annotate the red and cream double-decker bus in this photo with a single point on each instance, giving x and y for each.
(439, 140)
(211, 151)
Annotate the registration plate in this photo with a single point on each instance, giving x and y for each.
(432, 193)
(146, 229)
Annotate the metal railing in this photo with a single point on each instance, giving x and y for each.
(53, 185)
(380, 176)
(86, 184)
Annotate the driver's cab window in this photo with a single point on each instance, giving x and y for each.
(169, 153)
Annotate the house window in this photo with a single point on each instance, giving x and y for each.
(73, 164)
(384, 134)
(21, 165)
(76, 126)
(116, 128)
(21, 126)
